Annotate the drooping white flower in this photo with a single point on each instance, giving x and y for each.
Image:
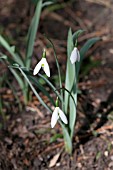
(42, 63)
(55, 116)
(75, 55)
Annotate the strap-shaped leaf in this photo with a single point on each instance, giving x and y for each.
(48, 3)
(70, 70)
(52, 87)
(71, 80)
(72, 113)
(10, 49)
(40, 87)
(76, 35)
(84, 50)
(34, 90)
(14, 72)
(32, 33)
(67, 139)
(18, 78)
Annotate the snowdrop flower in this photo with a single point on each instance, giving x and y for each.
(44, 64)
(55, 116)
(75, 55)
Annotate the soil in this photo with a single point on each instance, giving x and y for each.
(26, 139)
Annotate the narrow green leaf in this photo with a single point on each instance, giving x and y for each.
(70, 95)
(67, 139)
(70, 84)
(13, 48)
(16, 57)
(3, 57)
(35, 92)
(32, 33)
(40, 87)
(55, 137)
(18, 78)
(33, 79)
(31, 38)
(72, 114)
(71, 80)
(16, 75)
(84, 50)
(87, 46)
(76, 35)
(47, 3)
(70, 70)
(51, 85)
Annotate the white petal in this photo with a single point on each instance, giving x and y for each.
(46, 67)
(74, 55)
(62, 116)
(54, 117)
(37, 68)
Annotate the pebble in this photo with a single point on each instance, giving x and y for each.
(112, 157)
(79, 165)
(58, 164)
(106, 153)
(110, 164)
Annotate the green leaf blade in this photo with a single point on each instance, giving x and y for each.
(34, 90)
(70, 70)
(84, 50)
(10, 49)
(39, 86)
(32, 33)
(67, 139)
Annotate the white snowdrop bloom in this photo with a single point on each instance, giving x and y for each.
(44, 64)
(75, 56)
(55, 116)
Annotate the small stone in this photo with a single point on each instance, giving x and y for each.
(79, 165)
(111, 51)
(8, 140)
(112, 157)
(58, 164)
(110, 164)
(106, 153)
(19, 120)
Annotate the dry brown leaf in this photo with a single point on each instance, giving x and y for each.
(54, 160)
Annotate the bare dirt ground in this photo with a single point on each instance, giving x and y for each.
(26, 137)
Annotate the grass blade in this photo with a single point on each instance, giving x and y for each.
(16, 57)
(18, 78)
(32, 33)
(76, 35)
(40, 87)
(84, 50)
(47, 3)
(67, 139)
(70, 70)
(71, 80)
(51, 85)
(35, 92)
